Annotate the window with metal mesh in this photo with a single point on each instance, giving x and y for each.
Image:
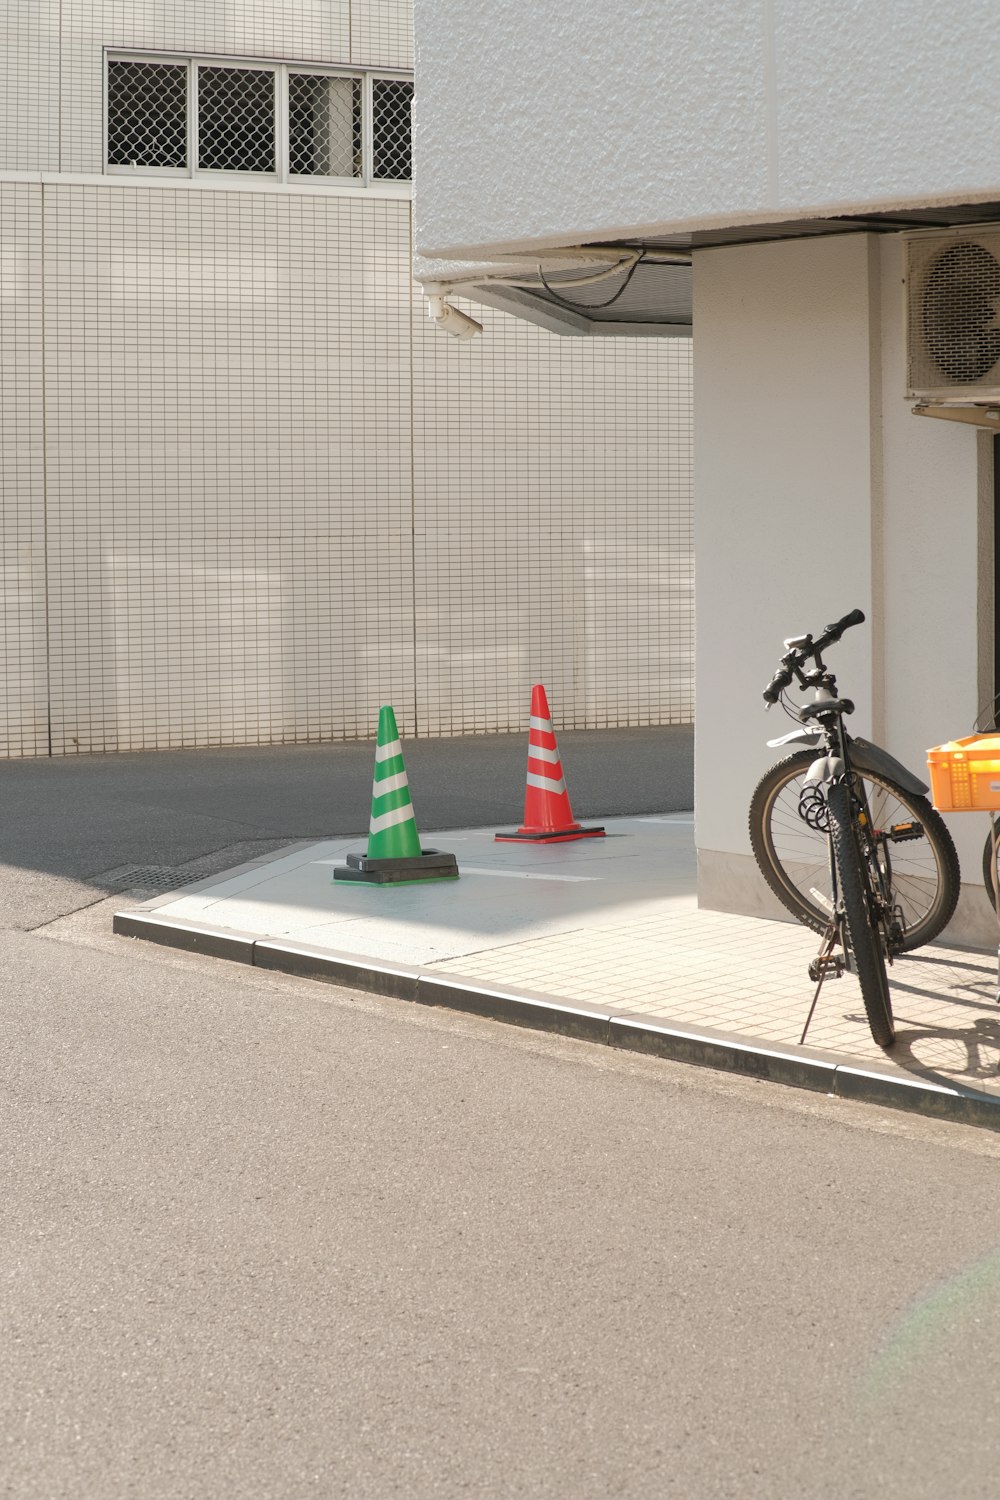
(236, 119)
(147, 114)
(324, 125)
(349, 127)
(392, 99)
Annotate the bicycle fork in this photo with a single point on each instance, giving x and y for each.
(885, 918)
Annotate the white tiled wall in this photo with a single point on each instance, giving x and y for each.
(553, 527)
(250, 492)
(23, 685)
(29, 101)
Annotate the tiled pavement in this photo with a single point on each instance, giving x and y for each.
(614, 923)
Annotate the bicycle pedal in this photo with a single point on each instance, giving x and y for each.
(823, 967)
(900, 833)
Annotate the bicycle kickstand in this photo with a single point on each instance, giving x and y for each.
(826, 962)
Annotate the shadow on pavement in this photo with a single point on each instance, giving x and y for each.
(75, 819)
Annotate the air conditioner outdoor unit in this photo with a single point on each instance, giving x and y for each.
(953, 317)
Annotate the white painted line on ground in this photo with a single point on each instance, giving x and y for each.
(688, 822)
(522, 874)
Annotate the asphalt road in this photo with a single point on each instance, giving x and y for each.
(262, 1238)
(266, 1239)
(66, 824)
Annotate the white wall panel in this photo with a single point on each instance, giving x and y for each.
(382, 33)
(217, 434)
(930, 566)
(29, 97)
(553, 527)
(23, 683)
(251, 492)
(784, 515)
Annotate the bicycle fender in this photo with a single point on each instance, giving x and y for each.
(797, 737)
(868, 757)
(823, 770)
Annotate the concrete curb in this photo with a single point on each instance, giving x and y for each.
(799, 1068)
(193, 937)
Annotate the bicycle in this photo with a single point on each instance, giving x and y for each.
(826, 832)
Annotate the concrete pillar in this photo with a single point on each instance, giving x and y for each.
(817, 491)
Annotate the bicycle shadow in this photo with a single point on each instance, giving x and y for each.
(956, 1052)
(967, 1052)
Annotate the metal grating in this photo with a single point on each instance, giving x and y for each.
(324, 125)
(953, 290)
(653, 293)
(392, 101)
(352, 127)
(147, 114)
(236, 119)
(152, 880)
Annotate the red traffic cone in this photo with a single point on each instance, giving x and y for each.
(548, 817)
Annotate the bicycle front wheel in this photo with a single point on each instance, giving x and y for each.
(864, 930)
(923, 872)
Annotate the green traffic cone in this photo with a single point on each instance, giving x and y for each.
(394, 854)
(392, 833)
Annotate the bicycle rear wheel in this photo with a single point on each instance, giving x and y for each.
(991, 869)
(793, 858)
(864, 930)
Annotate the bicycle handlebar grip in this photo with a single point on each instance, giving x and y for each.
(856, 617)
(777, 685)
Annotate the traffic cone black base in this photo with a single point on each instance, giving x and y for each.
(549, 838)
(429, 864)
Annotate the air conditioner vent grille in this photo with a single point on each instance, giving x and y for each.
(954, 316)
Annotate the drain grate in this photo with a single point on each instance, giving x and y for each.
(154, 880)
(151, 878)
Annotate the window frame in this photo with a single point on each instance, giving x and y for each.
(281, 69)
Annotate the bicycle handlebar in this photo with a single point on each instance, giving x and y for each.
(835, 631)
(791, 662)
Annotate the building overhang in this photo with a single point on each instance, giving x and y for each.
(641, 287)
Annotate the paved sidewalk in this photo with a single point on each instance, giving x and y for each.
(607, 926)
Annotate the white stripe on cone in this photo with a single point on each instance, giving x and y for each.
(536, 723)
(545, 783)
(390, 819)
(389, 784)
(539, 752)
(386, 752)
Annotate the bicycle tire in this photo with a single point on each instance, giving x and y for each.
(990, 871)
(863, 931)
(794, 860)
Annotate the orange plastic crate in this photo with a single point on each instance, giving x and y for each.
(965, 774)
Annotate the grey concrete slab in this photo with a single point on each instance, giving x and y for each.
(614, 933)
(504, 892)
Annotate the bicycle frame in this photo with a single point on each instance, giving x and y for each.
(848, 804)
(843, 756)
